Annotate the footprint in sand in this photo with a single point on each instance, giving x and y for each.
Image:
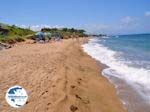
(44, 92)
(72, 86)
(85, 100)
(49, 104)
(79, 80)
(77, 96)
(73, 108)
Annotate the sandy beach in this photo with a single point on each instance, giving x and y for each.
(58, 77)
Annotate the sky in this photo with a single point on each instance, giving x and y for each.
(95, 16)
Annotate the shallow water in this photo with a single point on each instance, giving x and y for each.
(128, 59)
(128, 94)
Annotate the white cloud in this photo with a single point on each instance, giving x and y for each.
(126, 24)
(90, 28)
(95, 28)
(32, 27)
(147, 13)
(35, 27)
(39, 27)
(127, 20)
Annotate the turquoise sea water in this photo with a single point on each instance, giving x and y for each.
(134, 49)
(128, 59)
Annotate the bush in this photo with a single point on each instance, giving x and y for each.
(15, 34)
(66, 32)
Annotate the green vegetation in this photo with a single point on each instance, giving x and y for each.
(66, 32)
(13, 34)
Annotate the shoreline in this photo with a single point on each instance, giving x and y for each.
(129, 94)
(58, 74)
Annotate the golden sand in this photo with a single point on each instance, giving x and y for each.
(58, 76)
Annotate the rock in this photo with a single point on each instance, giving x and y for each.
(4, 46)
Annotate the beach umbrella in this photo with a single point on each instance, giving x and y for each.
(39, 35)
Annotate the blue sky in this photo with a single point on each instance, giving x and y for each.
(96, 16)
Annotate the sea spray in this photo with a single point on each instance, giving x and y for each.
(128, 59)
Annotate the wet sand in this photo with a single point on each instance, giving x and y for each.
(58, 77)
(133, 101)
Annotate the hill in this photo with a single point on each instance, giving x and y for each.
(12, 34)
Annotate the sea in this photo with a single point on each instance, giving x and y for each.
(128, 67)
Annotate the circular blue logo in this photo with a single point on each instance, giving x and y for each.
(16, 96)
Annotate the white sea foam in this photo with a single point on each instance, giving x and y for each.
(119, 69)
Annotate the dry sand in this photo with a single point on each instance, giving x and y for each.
(58, 76)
